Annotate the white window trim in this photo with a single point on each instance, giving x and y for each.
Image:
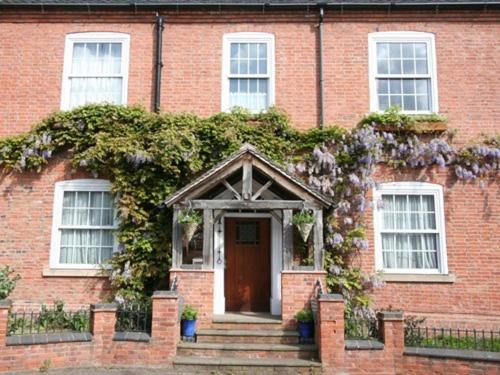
(96, 37)
(402, 36)
(245, 37)
(55, 244)
(411, 188)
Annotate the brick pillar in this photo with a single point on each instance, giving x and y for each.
(4, 316)
(297, 289)
(165, 329)
(103, 320)
(330, 330)
(391, 328)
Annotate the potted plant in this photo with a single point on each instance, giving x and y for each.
(189, 316)
(304, 221)
(306, 323)
(190, 220)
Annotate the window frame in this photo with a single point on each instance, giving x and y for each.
(88, 185)
(405, 188)
(94, 37)
(403, 37)
(247, 37)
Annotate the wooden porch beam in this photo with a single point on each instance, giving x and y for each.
(318, 240)
(208, 239)
(227, 204)
(287, 240)
(176, 239)
(261, 190)
(246, 190)
(231, 189)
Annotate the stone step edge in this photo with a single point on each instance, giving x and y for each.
(254, 362)
(247, 347)
(245, 332)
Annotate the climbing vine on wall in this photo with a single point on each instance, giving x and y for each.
(148, 156)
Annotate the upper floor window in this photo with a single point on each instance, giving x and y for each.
(248, 71)
(403, 71)
(84, 219)
(95, 69)
(409, 228)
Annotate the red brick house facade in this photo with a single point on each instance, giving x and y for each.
(39, 49)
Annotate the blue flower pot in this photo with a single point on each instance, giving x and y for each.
(306, 330)
(188, 328)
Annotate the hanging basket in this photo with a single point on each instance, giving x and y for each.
(190, 230)
(305, 230)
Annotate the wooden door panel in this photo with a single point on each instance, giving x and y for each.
(247, 277)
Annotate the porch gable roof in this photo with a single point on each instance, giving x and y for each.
(233, 163)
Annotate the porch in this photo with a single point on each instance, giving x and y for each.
(242, 259)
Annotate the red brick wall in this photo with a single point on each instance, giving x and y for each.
(25, 233)
(472, 218)
(196, 288)
(32, 58)
(465, 45)
(297, 289)
(439, 366)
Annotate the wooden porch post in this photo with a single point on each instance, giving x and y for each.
(208, 239)
(176, 239)
(287, 240)
(318, 240)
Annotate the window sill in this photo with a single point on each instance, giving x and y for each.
(60, 272)
(417, 278)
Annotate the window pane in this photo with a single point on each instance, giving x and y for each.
(243, 67)
(253, 67)
(243, 52)
(254, 50)
(421, 66)
(85, 246)
(396, 100)
(383, 66)
(383, 102)
(409, 103)
(95, 90)
(408, 67)
(423, 103)
(69, 199)
(394, 50)
(420, 50)
(382, 50)
(263, 50)
(408, 50)
(234, 50)
(395, 86)
(408, 86)
(234, 67)
(395, 66)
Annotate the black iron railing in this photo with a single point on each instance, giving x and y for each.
(470, 339)
(360, 327)
(134, 317)
(47, 321)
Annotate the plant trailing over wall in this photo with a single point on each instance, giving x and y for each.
(8, 281)
(148, 156)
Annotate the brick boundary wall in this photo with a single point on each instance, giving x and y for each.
(104, 347)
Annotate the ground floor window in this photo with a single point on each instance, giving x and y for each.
(409, 224)
(83, 224)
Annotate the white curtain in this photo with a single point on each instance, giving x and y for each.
(90, 65)
(86, 246)
(411, 250)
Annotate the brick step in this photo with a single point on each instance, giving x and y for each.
(214, 350)
(246, 322)
(245, 366)
(247, 336)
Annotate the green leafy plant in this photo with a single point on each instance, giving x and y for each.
(8, 280)
(303, 217)
(304, 316)
(190, 217)
(189, 313)
(45, 367)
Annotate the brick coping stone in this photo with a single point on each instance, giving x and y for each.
(48, 338)
(131, 336)
(468, 355)
(368, 344)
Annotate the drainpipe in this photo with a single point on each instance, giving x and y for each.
(158, 63)
(320, 63)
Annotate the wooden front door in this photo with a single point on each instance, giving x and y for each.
(247, 278)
